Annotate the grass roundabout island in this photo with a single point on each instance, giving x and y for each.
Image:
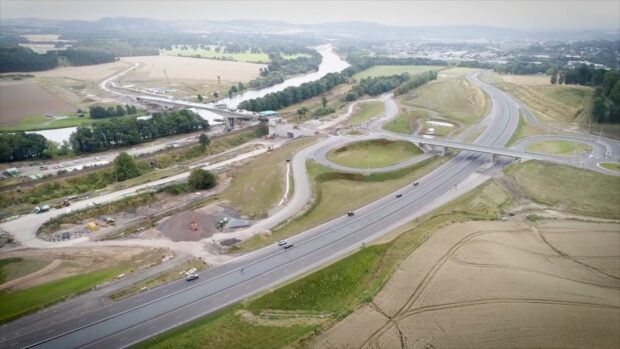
(373, 153)
(558, 147)
(612, 166)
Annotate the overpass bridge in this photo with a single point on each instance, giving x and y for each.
(228, 115)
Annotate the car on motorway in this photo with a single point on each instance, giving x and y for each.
(287, 246)
(415, 183)
(350, 213)
(282, 243)
(399, 195)
(191, 277)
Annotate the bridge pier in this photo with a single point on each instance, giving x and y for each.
(229, 123)
(443, 150)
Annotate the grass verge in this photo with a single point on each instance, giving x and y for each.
(611, 166)
(15, 267)
(558, 147)
(367, 111)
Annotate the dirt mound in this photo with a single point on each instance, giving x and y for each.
(178, 227)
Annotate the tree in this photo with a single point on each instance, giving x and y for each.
(200, 98)
(219, 80)
(323, 101)
(302, 111)
(125, 167)
(204, 140)
(120, 111)
(240, 86)
(233, 89)
(202, 179)
(216, 94)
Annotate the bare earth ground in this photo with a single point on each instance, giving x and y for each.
(185, 68)
(23, 98)
(88, 72)
(497, 285)
(72, 261)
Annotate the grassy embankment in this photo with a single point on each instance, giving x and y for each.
(387, 70)
(558, 147)
(366, 111)
(407, 120)
(259, 185)
(454, 99)
(373, 153)
(336, 193)
(336, 290)
(14, 304)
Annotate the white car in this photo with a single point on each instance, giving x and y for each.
(282, 242)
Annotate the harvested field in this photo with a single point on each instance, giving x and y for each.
(185, 68)
(497, 285)
(88, 72)
(20, 99)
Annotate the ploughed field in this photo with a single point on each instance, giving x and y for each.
(20, 99)
(497, 285)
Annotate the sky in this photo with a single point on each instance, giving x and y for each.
(532, 14)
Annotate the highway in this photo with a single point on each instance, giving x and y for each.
(137, 318)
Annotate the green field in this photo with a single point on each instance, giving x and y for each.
(454, 99)
(259, 185)
(373, 153)
(611, 166)
(387, 70)
(209, 52)
(19, 303)
(367, 111)
(336, 193)
(569, 189)
(13, 268)
(558, 147)
(41, 122)
(406, 121)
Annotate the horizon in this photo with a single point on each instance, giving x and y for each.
(517, 15)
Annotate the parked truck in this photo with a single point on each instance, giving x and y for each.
(41, 209)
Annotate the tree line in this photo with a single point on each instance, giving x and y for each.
(100, 112)
(20, 146)
(415, 82)
(23, 59)
(279, 68)
(109, 134)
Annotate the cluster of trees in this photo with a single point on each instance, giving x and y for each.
(415, 82)
(292, 95)
(22, 59)
(240, 87)
(128, 131)
(279, 68)
(21, 146)
(582, 75)
(99, 112)
(606, 103)
(380, 84)
(200, 179)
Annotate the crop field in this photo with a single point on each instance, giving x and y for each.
(455, 99)
(497, 285)
(209, 52)
(387, 70)
(373, 154)
(20, 99)
(186, 68)
(88, 72)
(456, 72)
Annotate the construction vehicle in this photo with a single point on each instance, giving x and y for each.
(41, 209)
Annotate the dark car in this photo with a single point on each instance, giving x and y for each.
(399, 195)
(286, 247)
(350, 213)
(415, 183)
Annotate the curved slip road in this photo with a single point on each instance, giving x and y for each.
(136, 318)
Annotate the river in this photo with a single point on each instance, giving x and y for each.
(330, 63)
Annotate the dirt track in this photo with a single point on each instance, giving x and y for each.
(497, 285)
